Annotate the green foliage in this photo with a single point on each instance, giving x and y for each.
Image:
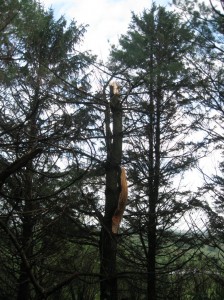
(39, 110)
(156, 34)
(170, 68)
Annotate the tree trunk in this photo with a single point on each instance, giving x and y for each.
(151, 230)
(27, 234)
(28, 219)
(154, 183)
(108, 240)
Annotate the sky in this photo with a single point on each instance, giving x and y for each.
(106, 19)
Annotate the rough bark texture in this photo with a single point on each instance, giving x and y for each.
(108, 240)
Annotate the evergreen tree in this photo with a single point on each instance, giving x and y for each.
(207, 23)
(43, 125)
(151, 58)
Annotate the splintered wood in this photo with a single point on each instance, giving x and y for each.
(117, 217)
(115, 88)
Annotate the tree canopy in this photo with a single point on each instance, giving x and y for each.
(67, 148)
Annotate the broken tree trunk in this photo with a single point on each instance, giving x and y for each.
(108, 240)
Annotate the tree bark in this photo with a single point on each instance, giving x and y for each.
(28, 218)
(27, 235)
(108, 240)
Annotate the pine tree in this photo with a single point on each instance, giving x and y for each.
(151, 58)
(207, 22)
(43, 123)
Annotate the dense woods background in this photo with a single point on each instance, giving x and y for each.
(65, 132)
